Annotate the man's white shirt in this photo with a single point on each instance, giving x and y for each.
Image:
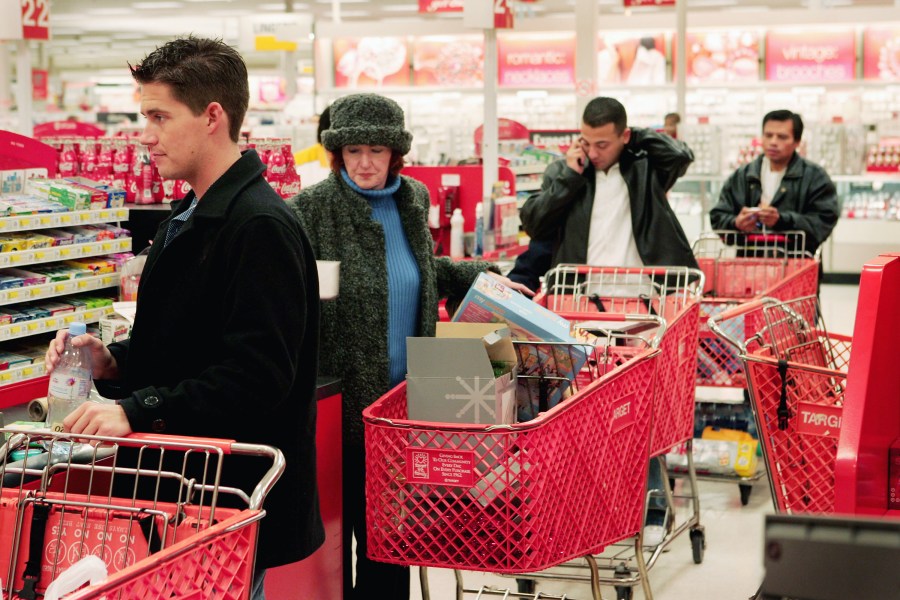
(611, 235)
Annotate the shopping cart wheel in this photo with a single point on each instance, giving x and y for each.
(623, 592)
(526, 586)
(746, 488)
(698, 544)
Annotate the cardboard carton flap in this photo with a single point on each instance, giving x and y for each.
(460, 349)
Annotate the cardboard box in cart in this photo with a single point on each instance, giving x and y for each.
(489, 301)
(466, 374)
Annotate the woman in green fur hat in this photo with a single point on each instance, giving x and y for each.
(374, 221)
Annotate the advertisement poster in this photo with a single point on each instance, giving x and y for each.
(537, 60)
(631, 58)
(453, 61)
(811, 56)
(720, 56)
(881, 54)
(371, 62)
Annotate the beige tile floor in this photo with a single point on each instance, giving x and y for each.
(732, 566)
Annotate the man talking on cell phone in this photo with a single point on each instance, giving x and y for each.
(605, 205)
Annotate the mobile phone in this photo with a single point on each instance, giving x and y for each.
(754, 209)
(581, 162)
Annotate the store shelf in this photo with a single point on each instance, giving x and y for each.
(24, 258)
(54, 323)
(66, 219)
(57, 288)
(529, 169)
(22, 373)
(530, 186)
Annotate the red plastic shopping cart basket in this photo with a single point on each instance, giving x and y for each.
(513, 498)
(171, 536)
(797, 375)
(586, 294)
(740, 267)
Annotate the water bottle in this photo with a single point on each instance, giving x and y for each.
(70, 382)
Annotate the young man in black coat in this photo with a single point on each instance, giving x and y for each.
(225, 338)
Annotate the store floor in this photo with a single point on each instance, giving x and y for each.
(732, 566)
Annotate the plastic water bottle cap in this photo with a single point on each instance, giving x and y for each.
(77, 329)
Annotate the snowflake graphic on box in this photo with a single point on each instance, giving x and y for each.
(478, 396)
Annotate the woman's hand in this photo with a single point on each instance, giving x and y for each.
(512, 284)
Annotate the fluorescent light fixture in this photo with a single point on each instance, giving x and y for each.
(156, 5)
(355, 13)
(110, 12)
(343, 2)
(400, 8)
(128, 35)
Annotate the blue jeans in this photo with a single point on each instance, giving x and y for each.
(258, 591)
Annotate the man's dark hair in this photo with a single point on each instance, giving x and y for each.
(324, 123)
(674, 117)
(786, 115)
(200, 71)
(602, 111)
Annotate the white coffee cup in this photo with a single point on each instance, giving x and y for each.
(329, 276)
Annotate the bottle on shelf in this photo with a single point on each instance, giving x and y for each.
(479, 229)
(456, 234)
(70, 382)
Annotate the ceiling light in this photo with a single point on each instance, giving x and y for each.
(110, 12)
(156, 5)
(400, 8)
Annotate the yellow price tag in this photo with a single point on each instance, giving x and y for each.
(15, 258)
(65, 219)
(64, 252)
(15, 329)
(84, 217)
(28, 371)
(60, 288)
(12, 294)
(107, 247)
(46, 221)
(82, 284)
(32, 327)
(40, 255)
(6, 376)
(69, 318)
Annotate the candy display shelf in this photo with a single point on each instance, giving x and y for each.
(23, 258)
(58, 288)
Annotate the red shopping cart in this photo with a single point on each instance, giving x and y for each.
(740, 267)
(172, 535)
(591, 295)
(521, 497)
(797, 375)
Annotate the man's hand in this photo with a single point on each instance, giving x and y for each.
(512, 284)
(92, 418)
(747, 219)
(768, 216)
(576, 159)
(102, 361)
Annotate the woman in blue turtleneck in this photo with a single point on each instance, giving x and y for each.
(374, 221)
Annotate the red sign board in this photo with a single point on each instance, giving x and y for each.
(717, 56)
(503, 14)
(440, 467)
(649, 3)
(811, 56)
(541, 61)
(39, 84)
(819, 419)
(881, 54)
(436, 6)
(455, 61)
(36, 19)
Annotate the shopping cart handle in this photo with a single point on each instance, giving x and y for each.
(742, 309)
(177, 442)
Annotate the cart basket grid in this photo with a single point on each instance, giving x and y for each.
(511, 498)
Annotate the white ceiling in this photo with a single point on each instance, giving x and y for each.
(103, 34)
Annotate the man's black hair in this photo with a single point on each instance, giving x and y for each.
(786, 115)
(602, 111)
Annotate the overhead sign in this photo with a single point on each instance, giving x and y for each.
(274, 32)
(539, 60)
(811, 56)
(24, 19)
(881, 50)
(436, 6)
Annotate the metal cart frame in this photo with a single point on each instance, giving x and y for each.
(173, 533)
